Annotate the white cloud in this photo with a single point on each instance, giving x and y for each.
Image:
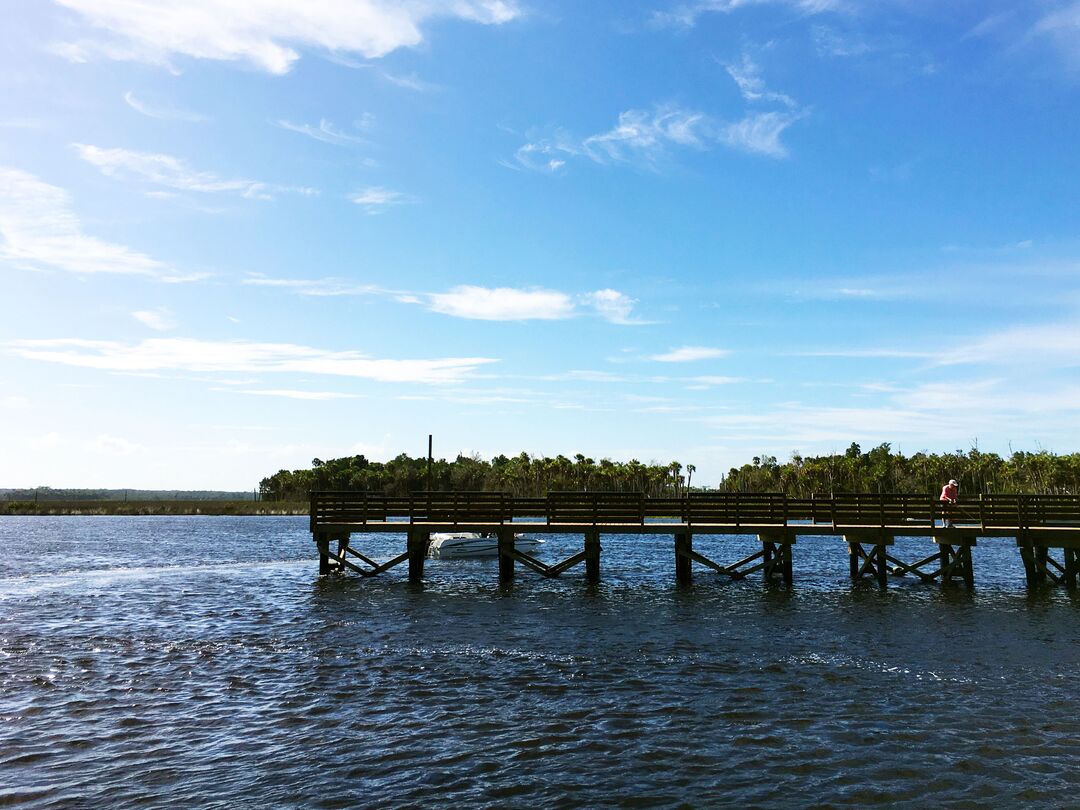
(709, 380)
(39, 229)
(502, 303)
(760, 132)
(166, 170)
(640, 134)
(1062, 27)
(640, 137)
(264, 33)
(747, 77)
(22, 123)
(687, 14)
(524, 304)
(112, 445)
(474, 302)
(327, 132)
(409, 82)
(46, 441)
(315, 287)
(689, 354)
(161, 112)
(645, 138)
(830, 42)
(287, 393)
(15, 402)
(159, 319)
(872, 353)
(374, 199)
(191, 355)
(612, 305)
(1056, 344)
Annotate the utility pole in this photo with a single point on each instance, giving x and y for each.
(429, 460)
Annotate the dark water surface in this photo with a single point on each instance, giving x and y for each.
(198, 662)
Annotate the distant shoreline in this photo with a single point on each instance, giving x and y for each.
(154, 507)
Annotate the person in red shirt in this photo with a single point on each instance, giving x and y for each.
(948, 497)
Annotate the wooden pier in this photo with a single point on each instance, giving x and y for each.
(1045, 528)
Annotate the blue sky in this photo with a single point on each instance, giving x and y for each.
(235, 237)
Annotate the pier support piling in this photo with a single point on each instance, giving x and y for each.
(1040, 565)
(873, 563)
(506, 555)
(776, 557)
(1071, 568)
(956, 559)
(324, 556)
(416, 548)
(684, 547)
(592, 556)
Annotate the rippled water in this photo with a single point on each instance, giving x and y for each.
(199, 661)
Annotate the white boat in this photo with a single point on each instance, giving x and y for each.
(454, 545)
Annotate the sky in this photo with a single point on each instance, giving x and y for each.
(237, 237)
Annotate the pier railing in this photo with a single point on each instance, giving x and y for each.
(738, 509)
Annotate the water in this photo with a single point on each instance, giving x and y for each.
(195, 662)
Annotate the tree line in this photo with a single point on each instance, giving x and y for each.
(882, 470)
(523, 475)
(876, 470)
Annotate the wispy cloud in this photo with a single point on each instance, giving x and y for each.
(1062, 27)
(1048, 345)
(409, 82)
(1053, 344)
(161, 112)
(160, 319)
(647, 138)
(474, 302)
(315, 287)
(288, 393)
(689, 354)
(39, 229)
(525, 304)
(640, 137)
(112, 445)
(747, 77)
(203, 356)
(22, 123)
(613, 306)
(709, 380)
(687, 14)
(171, 172)
(760, 132)
(326, 132)
(830, 42)
(883, 353)
(376, 199)
(502, 303)
(263, 33)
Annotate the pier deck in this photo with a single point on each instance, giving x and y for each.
(868, 524)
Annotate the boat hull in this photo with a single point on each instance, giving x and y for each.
(466, 545)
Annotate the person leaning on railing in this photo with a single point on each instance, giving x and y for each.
(948, 499)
